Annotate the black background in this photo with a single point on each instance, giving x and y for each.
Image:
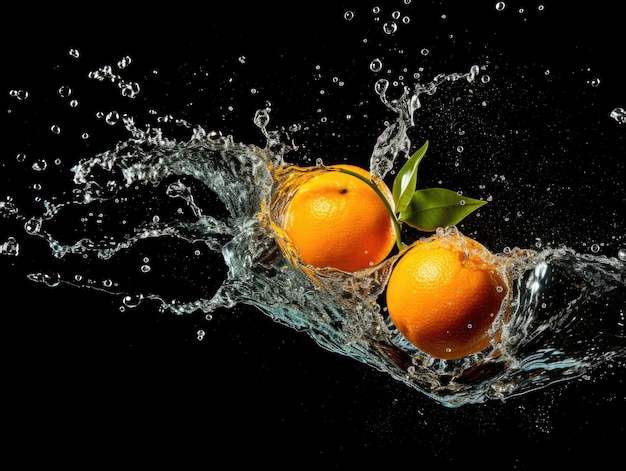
(85, 383)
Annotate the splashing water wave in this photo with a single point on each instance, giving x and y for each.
(567, 309)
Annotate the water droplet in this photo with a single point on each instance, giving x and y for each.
(380, 87)
(469, 326)
(10, 247)
(132, 300)
(262, 118)
(64, 91)
(129, 89)
(19, 94)
(594, 82)
(619, 115)
(39, 165)
(112, 118)
(124, 62)
(376, 65)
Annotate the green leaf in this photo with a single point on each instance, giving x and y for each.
(431, 208)
(406, 181)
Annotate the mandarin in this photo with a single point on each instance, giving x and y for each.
(336, 220)
(444, 294)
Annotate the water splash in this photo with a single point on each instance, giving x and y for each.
(567, 308)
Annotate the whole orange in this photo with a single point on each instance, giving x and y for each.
(336, 220)
(444, 294)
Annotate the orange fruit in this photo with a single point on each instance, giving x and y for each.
(444, 294)
(336, 220)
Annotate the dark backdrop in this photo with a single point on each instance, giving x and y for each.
(85, 383)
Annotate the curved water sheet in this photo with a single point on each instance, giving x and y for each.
(566, 313)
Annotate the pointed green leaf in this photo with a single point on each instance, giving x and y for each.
(406, 181)
(431, 208)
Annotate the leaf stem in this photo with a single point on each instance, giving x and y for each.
(396, 223)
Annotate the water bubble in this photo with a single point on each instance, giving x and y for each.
(621, 254)
(595, 248)
(56, 129)
(425, 51)
(75, 53)
(73, 103)
(348, 15)
(500, 6)
(376, 65)
(145, 268)
(200, 334)
(396, 15)
(619, 115)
